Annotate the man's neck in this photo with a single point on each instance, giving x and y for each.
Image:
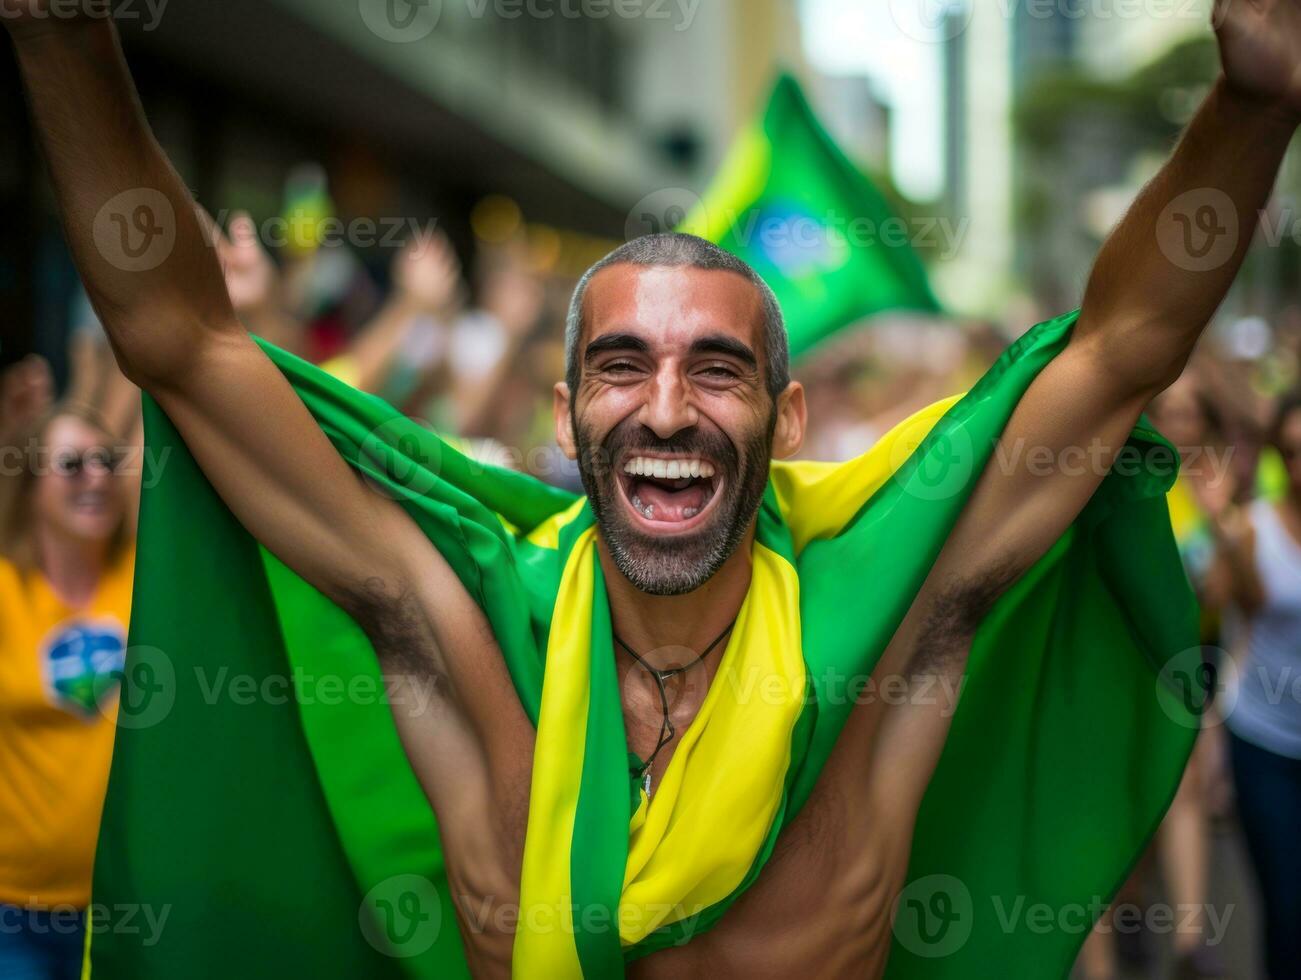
(693, 620)
(72, 566)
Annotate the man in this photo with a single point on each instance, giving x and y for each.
(676, 399)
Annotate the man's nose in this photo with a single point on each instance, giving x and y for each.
(668, 409)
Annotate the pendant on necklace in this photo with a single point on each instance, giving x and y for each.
(646, 783)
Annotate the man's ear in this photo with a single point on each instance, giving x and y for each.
(564, 420)
(792, 416)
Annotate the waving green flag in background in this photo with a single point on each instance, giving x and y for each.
(261, 811)
(789, 202)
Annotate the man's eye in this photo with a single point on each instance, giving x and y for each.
(718, 371)
(620, 367)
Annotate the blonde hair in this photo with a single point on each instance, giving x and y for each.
(16, 524)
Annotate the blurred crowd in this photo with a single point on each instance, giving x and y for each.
(472, 345)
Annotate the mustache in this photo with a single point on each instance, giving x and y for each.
(631, 437)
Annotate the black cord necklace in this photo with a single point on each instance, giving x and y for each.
(667, 731)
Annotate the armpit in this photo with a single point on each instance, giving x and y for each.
(393, 621)
(954, 613)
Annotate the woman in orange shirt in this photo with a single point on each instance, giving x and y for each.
(65, 596)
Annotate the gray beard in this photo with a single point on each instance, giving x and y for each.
(681, 565)
(671, 568)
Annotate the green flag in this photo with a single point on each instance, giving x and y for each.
(262, 812)
(789, 202)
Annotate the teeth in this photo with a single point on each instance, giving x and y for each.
(671, 469)
(689, 512)
(646, 510)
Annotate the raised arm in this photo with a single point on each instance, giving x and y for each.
(1158, 280)
(157, 287)
(154, 280)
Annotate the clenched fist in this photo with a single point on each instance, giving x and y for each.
(1260, 49)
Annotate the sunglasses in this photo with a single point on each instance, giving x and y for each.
(97, 461)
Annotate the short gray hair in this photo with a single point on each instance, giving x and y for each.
(677, 249)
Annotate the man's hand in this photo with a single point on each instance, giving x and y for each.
(1260, 49)
(1157, 282)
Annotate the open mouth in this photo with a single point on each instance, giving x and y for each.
(669, 493)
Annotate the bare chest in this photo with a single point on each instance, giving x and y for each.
(821, 906)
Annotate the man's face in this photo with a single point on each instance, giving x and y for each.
(672, 424)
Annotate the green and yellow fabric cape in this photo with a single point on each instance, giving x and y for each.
(261, 806)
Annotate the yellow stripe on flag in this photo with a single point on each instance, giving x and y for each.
(544, 941)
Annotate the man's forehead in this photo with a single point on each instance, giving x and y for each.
(672, 305)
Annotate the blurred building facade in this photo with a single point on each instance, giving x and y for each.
(978, 91)
(856, 118)
(416, 111)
